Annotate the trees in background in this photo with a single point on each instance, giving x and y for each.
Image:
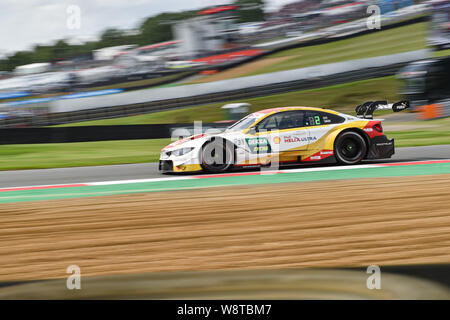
(153, 30)
(250, 10)
(159, 28)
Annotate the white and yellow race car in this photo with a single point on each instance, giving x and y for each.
(286, 135)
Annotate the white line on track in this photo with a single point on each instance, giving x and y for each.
(104, 183)
(262, 172)
(361, 166)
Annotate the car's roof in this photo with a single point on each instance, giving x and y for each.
(279, 109)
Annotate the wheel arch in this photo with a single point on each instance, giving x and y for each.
(358, 131)
(210, 139)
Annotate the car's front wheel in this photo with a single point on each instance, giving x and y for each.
(217, 155)
(350, 148)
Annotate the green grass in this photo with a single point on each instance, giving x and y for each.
(59, 155)
(396, 40)
(422, 133)
(416, 138)
(441, 53)
(342, 97)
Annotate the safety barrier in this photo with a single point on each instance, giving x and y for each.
(99, 133)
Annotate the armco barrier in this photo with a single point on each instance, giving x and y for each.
(96, 133)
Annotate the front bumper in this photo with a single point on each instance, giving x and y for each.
(167, 166)
(381, 148)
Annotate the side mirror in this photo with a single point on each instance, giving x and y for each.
(252, 130)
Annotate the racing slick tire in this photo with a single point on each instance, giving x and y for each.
(350, 148)
(217, 155)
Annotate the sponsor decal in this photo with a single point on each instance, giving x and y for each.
(399, 106)
(368, 129)
(326, 119)
(320, 155)
(258, 145)
(276, 140)
(290, 139)
(293, 139)
(384, 144)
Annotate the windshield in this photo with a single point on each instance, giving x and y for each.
(242, 124)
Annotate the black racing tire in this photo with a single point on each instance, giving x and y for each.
(350, 148)
(221, 162)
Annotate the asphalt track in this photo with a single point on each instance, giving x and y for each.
(150, 170)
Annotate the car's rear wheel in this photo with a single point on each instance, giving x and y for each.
(217, 155)
(350, 148)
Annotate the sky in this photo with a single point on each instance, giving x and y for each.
(25, 23)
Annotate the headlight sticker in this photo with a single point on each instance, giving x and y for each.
(182, 151)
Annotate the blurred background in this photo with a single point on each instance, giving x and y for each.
(104, 82)
(95, 67)
(46, 84)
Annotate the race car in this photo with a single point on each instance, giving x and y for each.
(285, 135)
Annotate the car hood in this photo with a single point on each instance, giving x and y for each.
(199, 139)
(185, 141)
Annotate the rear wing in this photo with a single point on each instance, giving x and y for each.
(367, 109)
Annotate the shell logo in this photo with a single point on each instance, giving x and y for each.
(276, 140)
